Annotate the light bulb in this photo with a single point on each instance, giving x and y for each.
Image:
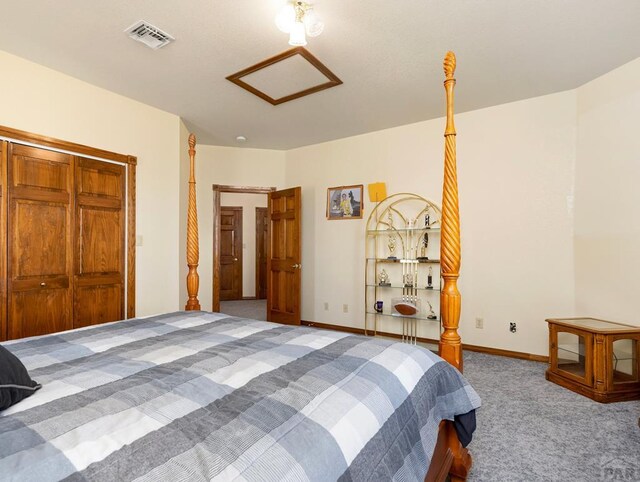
(312, 23)
(286, 18)
(297, 38)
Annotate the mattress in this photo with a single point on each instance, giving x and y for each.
(206, 396)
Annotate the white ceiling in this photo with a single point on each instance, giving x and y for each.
(387, 52)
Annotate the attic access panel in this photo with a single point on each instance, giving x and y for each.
(295, 70)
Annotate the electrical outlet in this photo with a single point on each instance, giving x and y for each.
(345, 308)
(480, 323)
(326, 306)
(512, 327)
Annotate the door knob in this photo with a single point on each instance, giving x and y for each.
(296, 266)
(235, 259)
(43, 284)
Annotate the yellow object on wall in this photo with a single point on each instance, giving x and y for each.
(377, 191)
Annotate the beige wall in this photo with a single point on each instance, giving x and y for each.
(43, 101)
(607, 228)
(516, 174)
(249, 203)
(228, 166)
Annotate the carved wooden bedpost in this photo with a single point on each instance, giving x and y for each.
(193, 251)
(450, 346)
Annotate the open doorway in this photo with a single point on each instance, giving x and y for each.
(240, 250)
(277, 253)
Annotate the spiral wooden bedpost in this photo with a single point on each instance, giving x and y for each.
(450, 345)
(193, 250)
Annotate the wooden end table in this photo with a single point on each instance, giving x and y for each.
(595, 358)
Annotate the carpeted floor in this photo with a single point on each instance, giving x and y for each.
(530, 429)
(253, 309)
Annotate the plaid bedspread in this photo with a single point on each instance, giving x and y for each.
(201, 396)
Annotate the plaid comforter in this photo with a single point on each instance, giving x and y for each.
(201, 396)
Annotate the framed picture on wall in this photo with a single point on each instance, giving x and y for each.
(344, 202)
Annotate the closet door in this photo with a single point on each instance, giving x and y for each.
(99, 242)
(40, 233)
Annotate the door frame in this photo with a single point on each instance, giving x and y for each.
(218, 189)
(257, 260)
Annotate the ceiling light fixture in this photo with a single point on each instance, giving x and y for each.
(299, 19)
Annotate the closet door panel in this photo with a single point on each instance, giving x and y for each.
(37, 311)
(40, 259)
(100, 304)
(98, 227)
(100, 242)
(39, 239)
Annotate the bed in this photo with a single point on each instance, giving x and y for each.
(201, 396)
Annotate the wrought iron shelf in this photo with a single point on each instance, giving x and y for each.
(417, 316)
(398, 260)
(377, 232)
(402, 287)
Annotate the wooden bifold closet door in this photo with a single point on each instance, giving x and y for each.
(40, 233)
(99, 243)
(65, 241)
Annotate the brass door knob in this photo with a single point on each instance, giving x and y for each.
(43, 283)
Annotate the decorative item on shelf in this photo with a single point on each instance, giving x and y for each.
(344, 202)
(378, 306)
(423, 248)
(407, 280)
(431, 315)
(383, 278)
(392, 246)
(427, 219)
(405, 307)
(430, 279)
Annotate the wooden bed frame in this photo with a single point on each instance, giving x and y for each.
(449, 457)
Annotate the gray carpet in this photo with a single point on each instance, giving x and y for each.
(530, 429)
(253, 309)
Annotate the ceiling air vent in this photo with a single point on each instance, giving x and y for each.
(149, 35)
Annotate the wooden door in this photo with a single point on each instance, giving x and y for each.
(230, 253)
(262, 228)
(4, 159)
(284, 256)
(40, 234)
(99, 273)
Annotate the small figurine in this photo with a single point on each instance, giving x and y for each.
(431, 315)
(392, 246)
(427, 219)
(408, 280)
(383, 278)
(430, 279)
(424, 247)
